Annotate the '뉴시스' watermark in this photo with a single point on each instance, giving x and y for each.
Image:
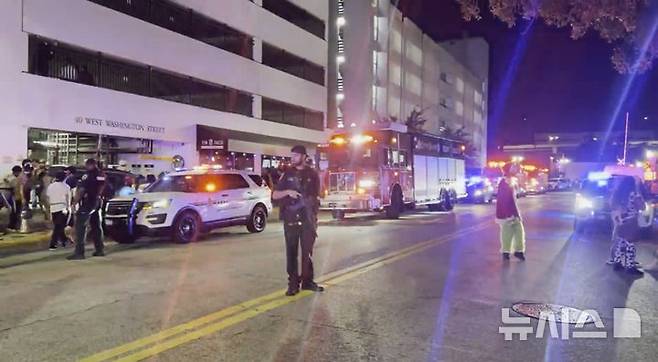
(626, 324)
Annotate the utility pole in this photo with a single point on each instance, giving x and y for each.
(625, 139)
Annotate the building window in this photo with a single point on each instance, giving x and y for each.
(185, 21)
(291, 64)
(280, 112)
(447, 78)
(478, 118)
(395, 74)
(445, 103)
(460, 85)
(296, 15)
(459, 108)
(374, 65)
(477, 98)
(56, 60)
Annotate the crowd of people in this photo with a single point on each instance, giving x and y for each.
(65, 198)
(23, 191)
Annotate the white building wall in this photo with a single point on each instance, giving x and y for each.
(70, 21)
(33, 101)
(463, 110)
(14, 140)
(252, 19)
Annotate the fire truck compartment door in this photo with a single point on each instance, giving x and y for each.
(460, 186)
(420, 178)
(433, 187)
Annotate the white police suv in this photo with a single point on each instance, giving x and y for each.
(185, 204)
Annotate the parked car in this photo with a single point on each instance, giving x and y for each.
(479, 190)
(185, 204)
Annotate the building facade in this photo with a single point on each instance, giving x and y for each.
(382, 65)
(231, 82)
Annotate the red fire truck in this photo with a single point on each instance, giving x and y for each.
(390, 169)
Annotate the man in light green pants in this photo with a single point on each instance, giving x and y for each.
(512, 233)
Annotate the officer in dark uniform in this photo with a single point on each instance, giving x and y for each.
(297, 192)
(88, 198)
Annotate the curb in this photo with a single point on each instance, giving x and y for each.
(11, 244)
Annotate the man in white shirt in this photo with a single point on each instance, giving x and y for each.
(59, 196)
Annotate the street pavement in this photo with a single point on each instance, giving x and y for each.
(427, 287)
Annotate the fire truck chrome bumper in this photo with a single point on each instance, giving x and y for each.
(354, 204)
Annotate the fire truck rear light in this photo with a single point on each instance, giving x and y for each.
(338, 141)
(360, 139)
(361, 191)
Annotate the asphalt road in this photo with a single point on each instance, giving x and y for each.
(427, 287)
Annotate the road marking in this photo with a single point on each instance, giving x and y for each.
(185, 327)
(175, 336)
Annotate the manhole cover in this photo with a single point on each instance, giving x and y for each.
(560, 313)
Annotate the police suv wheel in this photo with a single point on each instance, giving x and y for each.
(187, 228)
(257, 220)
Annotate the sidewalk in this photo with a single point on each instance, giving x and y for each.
(37, 239)
(14, 243)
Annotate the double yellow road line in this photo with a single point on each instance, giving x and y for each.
(184, 333)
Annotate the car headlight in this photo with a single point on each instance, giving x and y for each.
(160, 204)
(367, 183)
(478, 193)
(583, 203)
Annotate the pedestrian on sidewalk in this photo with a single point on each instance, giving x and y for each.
(15, 198)
(41, 182)
(88, 198)
(512, 232)
(626, 204)
(298, 192)
(59, 198)
(71, 179)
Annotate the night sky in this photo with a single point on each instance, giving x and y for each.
(560, 84)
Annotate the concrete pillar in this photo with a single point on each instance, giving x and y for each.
(258, 50)
(257, 107)
(258, 163)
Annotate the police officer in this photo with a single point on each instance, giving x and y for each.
(297, 192)
(88, 198)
